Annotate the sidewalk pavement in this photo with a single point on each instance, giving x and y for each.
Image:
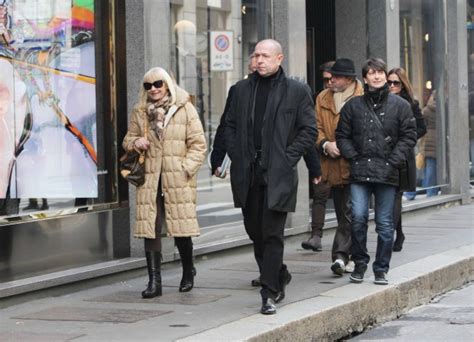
(438, 255)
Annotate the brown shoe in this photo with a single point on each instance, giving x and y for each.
(313, 243)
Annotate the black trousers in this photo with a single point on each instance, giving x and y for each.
(265, 228)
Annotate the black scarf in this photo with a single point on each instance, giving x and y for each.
(377, 96)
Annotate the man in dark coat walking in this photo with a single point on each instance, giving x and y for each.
(375, 133)
(218, 147)
(270, 125)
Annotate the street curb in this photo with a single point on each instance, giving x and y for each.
(351, 308)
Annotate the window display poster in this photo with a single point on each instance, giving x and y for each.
(47, 99)
(222, 56)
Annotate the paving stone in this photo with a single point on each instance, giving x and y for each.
(92, 314)
(241, 266)
(15, 336)
(309, 256)
(187, 298)
(294, 268)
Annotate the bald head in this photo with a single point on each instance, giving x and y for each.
(271, 44)
(269, 55)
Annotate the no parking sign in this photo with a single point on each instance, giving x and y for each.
(222, 50)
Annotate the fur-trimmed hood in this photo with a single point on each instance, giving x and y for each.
(182, 96)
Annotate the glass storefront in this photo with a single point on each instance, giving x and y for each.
(210, 45)
(58, 134)
(54, 150)
(422, 55)
(470, 51)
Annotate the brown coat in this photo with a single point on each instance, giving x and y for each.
(429, 140)
(176, 159)
(335, 171)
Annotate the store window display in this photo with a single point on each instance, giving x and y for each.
(47, 65)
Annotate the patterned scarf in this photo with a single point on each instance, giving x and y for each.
(156, 113)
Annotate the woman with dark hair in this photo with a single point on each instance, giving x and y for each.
(167, 127)
(400, 85)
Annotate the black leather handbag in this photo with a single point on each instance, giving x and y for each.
(403, 179)
(132, 167)
(132, 164)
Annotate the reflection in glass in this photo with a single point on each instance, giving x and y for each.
(422, 43)
(197, 31)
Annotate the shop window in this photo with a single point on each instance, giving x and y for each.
(52, 132)
(210, 42)
(422, 55)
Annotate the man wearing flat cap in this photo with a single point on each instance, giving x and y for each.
(335, 169)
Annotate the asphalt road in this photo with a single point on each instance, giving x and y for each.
(447, 318)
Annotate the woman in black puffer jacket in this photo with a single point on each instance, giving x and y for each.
(400, 85)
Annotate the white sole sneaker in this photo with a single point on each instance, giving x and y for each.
(338, 267)
(350, 267)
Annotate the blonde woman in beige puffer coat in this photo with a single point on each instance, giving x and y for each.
(175, 149)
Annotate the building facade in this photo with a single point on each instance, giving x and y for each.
(70, 72)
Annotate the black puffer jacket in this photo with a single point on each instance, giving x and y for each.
(420, 131)
(372, 158)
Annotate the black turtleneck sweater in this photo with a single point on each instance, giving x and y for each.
(261, 100)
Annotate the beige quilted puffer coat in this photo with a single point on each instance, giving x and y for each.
(176, 159)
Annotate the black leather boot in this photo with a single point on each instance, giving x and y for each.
(185, 248)
(153, 263)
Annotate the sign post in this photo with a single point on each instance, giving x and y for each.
(222, 50)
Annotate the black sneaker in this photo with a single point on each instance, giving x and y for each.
(268, 306)
(358, 275)
(338, 267)
(380, 278)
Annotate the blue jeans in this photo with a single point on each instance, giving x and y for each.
(429, 177)
(384, 202)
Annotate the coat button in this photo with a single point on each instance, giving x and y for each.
(368, 178)
(371, 120)
(370, 139)
(368, 159)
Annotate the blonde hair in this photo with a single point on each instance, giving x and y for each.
(152, 75)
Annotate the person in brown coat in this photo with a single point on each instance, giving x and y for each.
(335, 169)
(429, 147)
(175, 148)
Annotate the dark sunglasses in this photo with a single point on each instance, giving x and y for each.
(394, 83)
(156, 84)
(326, 79)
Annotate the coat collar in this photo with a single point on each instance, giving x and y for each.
(280, 75)
(173, 109)
(327, 97)
(182, 97)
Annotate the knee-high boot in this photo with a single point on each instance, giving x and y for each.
(153, 263)
(185, 248)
